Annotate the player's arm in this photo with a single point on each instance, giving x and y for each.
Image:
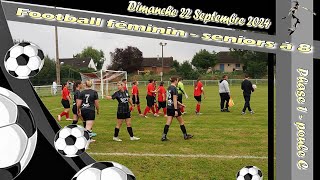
(79, 102)
(96, 103)
(130, 101)
(202, 89)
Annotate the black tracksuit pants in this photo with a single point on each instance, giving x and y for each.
(224, 98)
(247, 102)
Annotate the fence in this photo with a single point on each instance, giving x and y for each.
(49, 91)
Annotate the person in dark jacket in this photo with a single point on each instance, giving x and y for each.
(247, 88)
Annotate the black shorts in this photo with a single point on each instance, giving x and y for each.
(162, 104)
(123, 115)
(180, 98)
(150, 101)
(74, 110)
(198, 98)
(134, 100)
(170, 112)
(88, 114)
(65, 103)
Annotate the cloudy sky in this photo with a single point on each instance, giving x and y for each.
(72, 41)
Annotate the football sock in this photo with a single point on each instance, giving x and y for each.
(182, 109)
(166, 129)
(165, 111)
(198, 108)
(156, 106)
(152, 109)
(183, 129)
(84, 124)
(67, 115)
(131, 108)
(139, 109)
(130, 131)
(116, 132)
(74, 121)
(63, 113)
(146, 110)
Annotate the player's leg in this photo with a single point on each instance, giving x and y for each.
(147, 109)
(129, 128)
(245, 104)
(248, 104)
(118, 126)
(198, 107)
(170, 115)
(221, 102)
(182, 127)
(75, 115)
(227, 98)
(164, 108)
(159, 107)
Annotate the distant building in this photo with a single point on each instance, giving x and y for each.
(79, 63)
(154, 64)
(227, 63)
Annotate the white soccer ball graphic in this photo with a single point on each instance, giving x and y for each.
(254, 86)
(104, 171)
(18, 135)
(250, 173)
(24, 60)
(72, 140)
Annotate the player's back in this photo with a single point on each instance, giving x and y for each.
(88, 97)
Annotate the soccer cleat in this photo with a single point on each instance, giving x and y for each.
(165, 115)
(117, 139)
(134, 138)
(92, 134)
(183, 113)
(226, 110)
(198, 113)
(59, 118)
(69, 119)
(156, 115)
(243, 113)
(164, 139)
(222, 110)
(251, 112)
(188, 136)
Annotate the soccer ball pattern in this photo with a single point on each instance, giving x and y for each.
(250, 173)
(104, 171)
(254, 86)
(72, 140)
(18, 135)
(24, 60)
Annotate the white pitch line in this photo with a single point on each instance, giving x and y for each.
(180, 155)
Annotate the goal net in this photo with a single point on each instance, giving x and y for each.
(104, 81)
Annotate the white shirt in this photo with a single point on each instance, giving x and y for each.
(54, 85)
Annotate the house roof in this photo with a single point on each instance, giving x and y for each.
(225, 57)
(76, 62)
(154, 62)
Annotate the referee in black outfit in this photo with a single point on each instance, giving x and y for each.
(247, 88)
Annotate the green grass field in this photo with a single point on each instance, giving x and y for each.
(223, 142)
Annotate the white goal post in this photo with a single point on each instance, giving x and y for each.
(104, 80)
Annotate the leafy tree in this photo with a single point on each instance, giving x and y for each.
(128, 59)
(187, 71)
(96, 55)
(204, 59)
(176, 65)
(255, 63)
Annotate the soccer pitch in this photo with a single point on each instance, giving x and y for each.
(223, 142)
